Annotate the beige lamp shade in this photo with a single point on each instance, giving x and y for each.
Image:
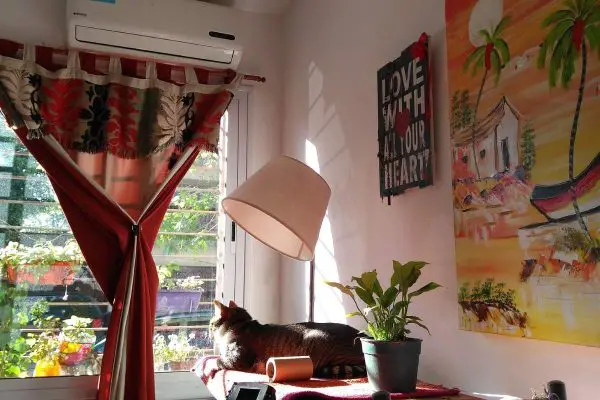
(283, 206)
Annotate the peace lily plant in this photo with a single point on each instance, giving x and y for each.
(388, 321)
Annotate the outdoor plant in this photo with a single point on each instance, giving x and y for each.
(42, 254)
(77, 330)
(166, 281)
(386, 313)
(160, 351)
(18, 260)
(43, 346)
(14, 360)
(190, 283)
(165, 276)
(179, 348)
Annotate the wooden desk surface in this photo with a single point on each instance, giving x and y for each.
(221, 383)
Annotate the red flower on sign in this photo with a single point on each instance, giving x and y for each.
(419, 48)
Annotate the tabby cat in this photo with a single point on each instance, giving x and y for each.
(246, 345)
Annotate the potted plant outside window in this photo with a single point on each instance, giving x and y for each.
(180, 352)
(44, 352)
(177, 295)
(43, 263)
(391, 355)
(76, 340)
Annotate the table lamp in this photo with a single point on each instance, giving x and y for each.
(283, 206)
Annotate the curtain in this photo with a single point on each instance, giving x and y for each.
(115, 137)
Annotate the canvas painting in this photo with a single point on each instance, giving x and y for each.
(524, 86)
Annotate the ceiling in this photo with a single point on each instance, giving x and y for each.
(258, 6)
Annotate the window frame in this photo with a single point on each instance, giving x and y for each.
(188, 384)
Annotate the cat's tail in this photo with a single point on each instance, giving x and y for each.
(341, 372)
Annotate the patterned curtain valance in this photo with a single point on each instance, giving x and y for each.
(97, 103)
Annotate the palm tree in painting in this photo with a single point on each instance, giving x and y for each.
(573, 29)
(491, 56)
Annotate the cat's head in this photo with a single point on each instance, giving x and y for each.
(226, 316)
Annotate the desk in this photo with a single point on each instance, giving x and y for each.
(355, 389)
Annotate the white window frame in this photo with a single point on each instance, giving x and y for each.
(168, 385)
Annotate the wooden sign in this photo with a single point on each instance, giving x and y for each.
(404, 99)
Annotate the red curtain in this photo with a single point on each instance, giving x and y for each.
(102, 130)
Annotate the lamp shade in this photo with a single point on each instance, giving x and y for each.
(283, 206)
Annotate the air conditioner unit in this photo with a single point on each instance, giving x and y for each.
(174, 31)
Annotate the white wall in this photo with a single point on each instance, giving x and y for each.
(333, 51)
(44, 22)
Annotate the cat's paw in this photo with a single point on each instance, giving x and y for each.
(211, 368)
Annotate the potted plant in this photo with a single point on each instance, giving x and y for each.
(176, 295)
(76, 340)
(180, 352)
(160, 352)
(44, 352)
(391, 356)
(43, 263)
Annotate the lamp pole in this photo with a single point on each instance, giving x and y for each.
(311, 292)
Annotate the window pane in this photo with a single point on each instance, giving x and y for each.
(186, 251)
(53, 314)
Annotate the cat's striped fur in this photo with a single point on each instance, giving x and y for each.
(246, 345)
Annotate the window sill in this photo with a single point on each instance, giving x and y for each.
(188, 387)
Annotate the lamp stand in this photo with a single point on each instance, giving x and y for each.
(311, 292)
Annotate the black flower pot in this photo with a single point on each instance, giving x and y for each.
(392, 366)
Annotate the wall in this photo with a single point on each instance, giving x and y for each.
(44, 22)
(333, 50)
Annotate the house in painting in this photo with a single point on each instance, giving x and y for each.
(497, 137)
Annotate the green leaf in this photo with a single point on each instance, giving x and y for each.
(502, 47)
(13, 371)
(353, 314)
(558, 58)
(389, 296)
(398, 307)
(568, 69)
(541, 61)
(365, 296)
(430, 286)
(369, 279)
(478, 65)
(501, 26)
(340, 287)
(416, 267)
(496, 67)
(417, 264)
(592, 34)
(593, 17)
(377, 288)
(395, 280)
(486, 35)
(558, 16)
(359, 281)
(476, 54)
(421, 325)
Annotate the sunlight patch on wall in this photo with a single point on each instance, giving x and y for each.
(328, 301)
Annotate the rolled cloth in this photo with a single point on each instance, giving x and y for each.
(287, 369)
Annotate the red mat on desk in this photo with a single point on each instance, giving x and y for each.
(353, 389)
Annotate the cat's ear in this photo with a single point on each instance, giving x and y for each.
(232, 304)
(222, 309)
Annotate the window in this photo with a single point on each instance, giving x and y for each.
(53, 315)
